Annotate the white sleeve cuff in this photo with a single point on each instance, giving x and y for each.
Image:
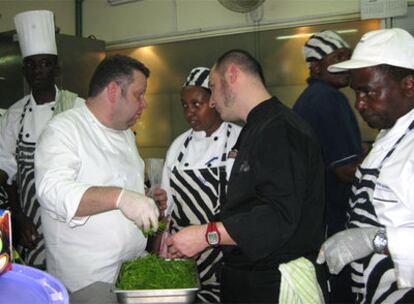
(72, 201)
(401, 249)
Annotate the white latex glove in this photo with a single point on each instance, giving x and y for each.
(139, 208)
(346, 246)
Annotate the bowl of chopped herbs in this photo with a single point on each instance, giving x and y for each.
(151, 279)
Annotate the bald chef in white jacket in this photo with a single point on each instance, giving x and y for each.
(90, 179)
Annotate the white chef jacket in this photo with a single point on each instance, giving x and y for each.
(34, 122)
(200, 151)
(393, 197)
(74, 152)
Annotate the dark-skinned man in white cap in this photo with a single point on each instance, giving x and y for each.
(378, 242)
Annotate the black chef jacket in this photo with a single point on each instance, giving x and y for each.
(274, 207)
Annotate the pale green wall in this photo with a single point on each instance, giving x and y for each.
(64, 11)
(146, 19)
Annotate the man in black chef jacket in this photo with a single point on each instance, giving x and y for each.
(275, 198)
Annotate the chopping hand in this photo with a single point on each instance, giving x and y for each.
(139, 208)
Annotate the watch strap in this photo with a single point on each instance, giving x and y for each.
(380, 241)
(212, 230)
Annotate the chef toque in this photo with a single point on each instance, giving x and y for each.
(36, 32)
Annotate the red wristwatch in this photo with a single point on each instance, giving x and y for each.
(213, 237)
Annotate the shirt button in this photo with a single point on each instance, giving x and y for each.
(52, 108)
(27, 135)
(30, 109)
(208, 165)
(186, 164)
(215, 138)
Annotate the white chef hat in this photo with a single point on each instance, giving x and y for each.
(36, 32)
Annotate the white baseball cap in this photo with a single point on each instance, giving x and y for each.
(391, 46)
(36, 32)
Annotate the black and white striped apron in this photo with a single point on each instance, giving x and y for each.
(373, 277)
(3, 198)
(198, 194)
(27, 193)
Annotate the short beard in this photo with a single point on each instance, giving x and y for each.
(228, 94)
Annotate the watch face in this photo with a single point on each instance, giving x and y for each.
(380, 242)
(212, 238)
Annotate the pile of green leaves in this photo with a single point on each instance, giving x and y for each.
(161, 227)
(153, 272)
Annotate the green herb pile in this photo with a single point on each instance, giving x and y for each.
(161, 227)
(153, 272)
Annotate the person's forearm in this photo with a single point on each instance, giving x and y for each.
(13, 198)
(3, 177)
(345, 174)
(97, 200)
(226, 239)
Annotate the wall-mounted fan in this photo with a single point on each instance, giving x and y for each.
(241, 6)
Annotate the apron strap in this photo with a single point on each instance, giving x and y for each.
(190, 137)
(391, 151)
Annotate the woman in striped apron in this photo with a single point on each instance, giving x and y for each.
(379, 242)
(196, 172)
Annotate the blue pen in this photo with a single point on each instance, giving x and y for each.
(211, 160)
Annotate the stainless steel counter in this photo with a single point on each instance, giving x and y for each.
(96, 293)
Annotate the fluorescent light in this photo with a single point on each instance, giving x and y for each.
(347, 31)
(310, 34)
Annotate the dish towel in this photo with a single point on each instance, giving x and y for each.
(299, 283)
(65, 101)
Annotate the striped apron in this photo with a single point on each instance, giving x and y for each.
(3, 198)
(27, 194)
(198, 194)
(373, 277)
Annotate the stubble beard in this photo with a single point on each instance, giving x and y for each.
(229, 100)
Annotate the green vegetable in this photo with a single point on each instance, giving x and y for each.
(153, 272)
(161, 227)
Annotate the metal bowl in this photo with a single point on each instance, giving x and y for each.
(176, 295)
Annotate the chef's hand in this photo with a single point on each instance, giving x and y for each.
(188, 242)
(138, 208)
(346, 246)
(160, 197)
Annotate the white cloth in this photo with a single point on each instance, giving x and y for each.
(34, 122)
(201, 149)
(393, 197)
(299, 283)
(74, 152)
